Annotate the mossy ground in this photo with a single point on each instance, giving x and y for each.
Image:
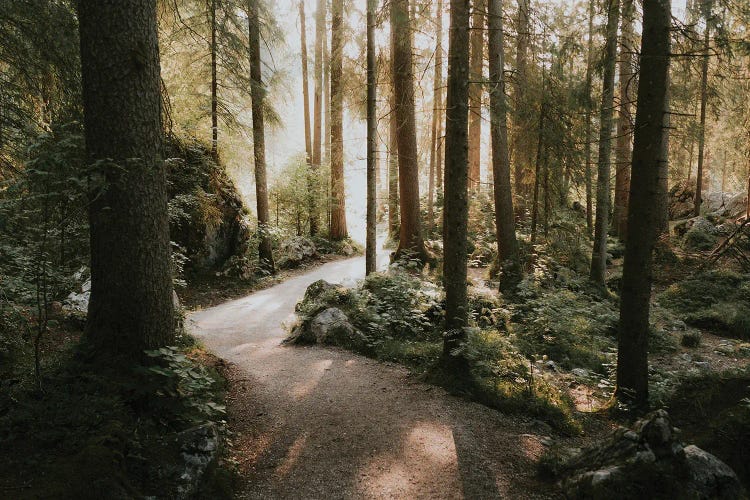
(94, 431)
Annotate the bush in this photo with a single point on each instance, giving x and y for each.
(571, 328)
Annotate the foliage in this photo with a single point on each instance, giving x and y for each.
(572, 325)
(716, 300)
(177, 389)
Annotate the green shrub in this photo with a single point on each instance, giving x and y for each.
(691, 339)
(569, 327)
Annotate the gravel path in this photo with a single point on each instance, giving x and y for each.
(315, 423)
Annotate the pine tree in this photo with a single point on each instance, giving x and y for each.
(131, 284)
(635, 302)
(338, 230)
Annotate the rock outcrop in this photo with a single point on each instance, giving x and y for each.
(648, 461)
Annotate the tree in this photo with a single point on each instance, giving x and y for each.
(476, 65)
(131, 284)
(456, 214)
(214, 85)
(521, 123)
(436, 150)
(372, 142)
(257, 94)
(588, 111)
(410, 234)
(706, 7)
(393, 199)
(507, 245)
(338, 197)
(305, 82)
(599, 254)
(320, 34)
(632, 359)
(623, 151)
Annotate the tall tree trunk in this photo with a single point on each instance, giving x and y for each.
(338, 194)
(538, 162)
(476, 88)
(455, 219)
(601, 228)
(662, 207)
(214, 87)
(624, 120)
(410, 235)
(521, 123)
(320, 35)
(507, 245)
(632, 360)
(131, 283)
(327, 100)
(310, 157)
(707, 6)
(437, 129)
(258, 95)
(372, 138)
(305, 82)
(393, 201)
(588, 113)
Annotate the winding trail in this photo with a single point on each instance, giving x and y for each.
(317, 423)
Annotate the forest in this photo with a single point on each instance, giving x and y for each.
(374, 249)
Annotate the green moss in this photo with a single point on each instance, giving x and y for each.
(715, 300)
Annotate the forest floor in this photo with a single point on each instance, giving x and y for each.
(312, 422)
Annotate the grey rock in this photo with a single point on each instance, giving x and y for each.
(200, 449)
(709, 477)
(331, 326)
(580, 372)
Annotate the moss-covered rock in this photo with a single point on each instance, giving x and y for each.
(207, 215)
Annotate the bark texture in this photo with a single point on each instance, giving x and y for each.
(589, 105)
(601, 227)
(507, 244)
(623, 151)
(338, 230)
(436, 151)
(393, 201)
(521, 149)
(456, 182)
(707, 6)
(257, 95)
(214, 86)
(372, 138)
(131, 283)
(632, 360)
(410, 233)
(476, 88)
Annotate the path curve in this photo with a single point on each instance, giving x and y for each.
(317, 423)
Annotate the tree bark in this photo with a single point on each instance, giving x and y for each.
(521, 154)
(455, 219)
(632, 360)
(131, 283)
(623, 151)
(258, 95)
(393, 201)
(338, 230)
(507, 245)
(588, 112)
(601, 228)
(437, 129)
(476, 88)
(214, 88)
(372, 138)
(305, 82)
(410, 235)
(707, 5)
(320, 23)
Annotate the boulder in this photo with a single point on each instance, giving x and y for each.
(648, 461)
(296, 251)
(200, 450)
(331, 326)
(78, 301)
(681, 199)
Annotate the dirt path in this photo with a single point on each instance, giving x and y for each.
(315, 423)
